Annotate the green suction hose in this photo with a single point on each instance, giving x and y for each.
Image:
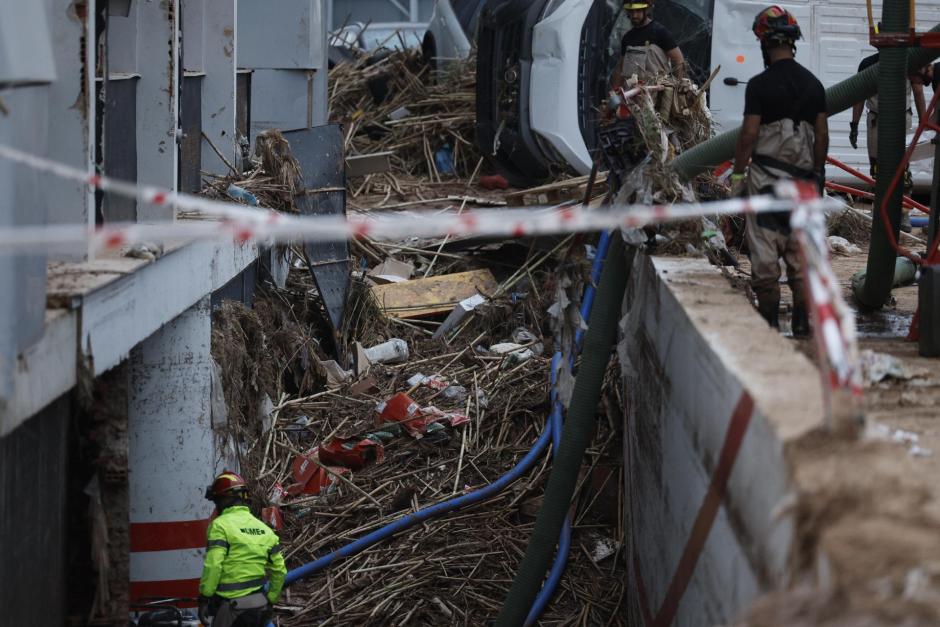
(576, 436)
(892, 139)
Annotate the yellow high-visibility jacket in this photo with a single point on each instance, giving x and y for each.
(242, 554)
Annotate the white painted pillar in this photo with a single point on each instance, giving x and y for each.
(171, 455)
(218, 87)
(158, 102)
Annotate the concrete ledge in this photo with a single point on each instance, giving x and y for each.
(694, 353)
(122, 303)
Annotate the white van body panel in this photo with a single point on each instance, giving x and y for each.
(835, 40)
(452, 44)
(553, 104)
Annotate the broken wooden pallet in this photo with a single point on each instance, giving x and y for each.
(433, 295)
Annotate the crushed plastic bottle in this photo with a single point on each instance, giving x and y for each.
(444, 160)
(394, 350)
(242, 194)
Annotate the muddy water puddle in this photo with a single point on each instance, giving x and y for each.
(883, 324)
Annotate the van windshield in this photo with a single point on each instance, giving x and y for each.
(689, 21)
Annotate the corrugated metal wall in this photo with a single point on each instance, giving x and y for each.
(33, 534)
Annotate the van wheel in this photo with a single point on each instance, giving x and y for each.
(429, 51)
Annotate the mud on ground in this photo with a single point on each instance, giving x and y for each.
(869, 510)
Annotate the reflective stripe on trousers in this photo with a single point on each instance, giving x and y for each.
(242, 585)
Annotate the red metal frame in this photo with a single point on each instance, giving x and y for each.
(909, 202)
(932, 254)
(911, 39)
(896, 180)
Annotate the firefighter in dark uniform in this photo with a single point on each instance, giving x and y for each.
(648, 49)
(785, 135)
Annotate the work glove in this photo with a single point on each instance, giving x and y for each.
(853, 134)
(203, 612)
(738, 184)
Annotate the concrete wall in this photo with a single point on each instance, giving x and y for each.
(701, 549)
(33, 534)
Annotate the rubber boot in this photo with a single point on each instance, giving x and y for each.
(769, 309)
(800, 321)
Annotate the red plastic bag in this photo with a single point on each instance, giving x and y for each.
(402, 409)
(272, 518)
(494, 181)
(398, 408)
(351, 453)
(310, 475)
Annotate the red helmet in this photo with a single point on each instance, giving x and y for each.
(226, 484)
(775, 24)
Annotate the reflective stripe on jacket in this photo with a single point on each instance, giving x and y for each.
(242, 554)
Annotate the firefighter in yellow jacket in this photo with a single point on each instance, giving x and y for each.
(242, 556)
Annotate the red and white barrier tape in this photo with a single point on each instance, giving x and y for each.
(243, 223)
(834, 321)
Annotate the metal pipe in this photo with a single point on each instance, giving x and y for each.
(892, 135)
(845, 189)
(934, 192)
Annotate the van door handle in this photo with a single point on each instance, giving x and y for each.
(733, 82)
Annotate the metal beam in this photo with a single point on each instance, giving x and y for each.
(104, 324)
(218, 88)
(158, 102)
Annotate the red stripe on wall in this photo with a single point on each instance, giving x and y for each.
(168, 536)
(144, 591)
(737, 429)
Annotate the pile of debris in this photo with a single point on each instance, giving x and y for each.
(669, 116)
(414, 421)
(394, 102)
(273, 180)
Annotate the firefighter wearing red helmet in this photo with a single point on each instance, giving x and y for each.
(648, 50)
(785, 135)
(242, 556)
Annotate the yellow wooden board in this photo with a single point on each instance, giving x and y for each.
(433, 295)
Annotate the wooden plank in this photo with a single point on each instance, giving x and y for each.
(434, 295)
(557, 186)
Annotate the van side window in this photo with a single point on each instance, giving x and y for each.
(690, 22)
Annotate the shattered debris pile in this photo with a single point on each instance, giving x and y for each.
(396, 103)
(410, 421)
(272, 181)
(669, 116)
